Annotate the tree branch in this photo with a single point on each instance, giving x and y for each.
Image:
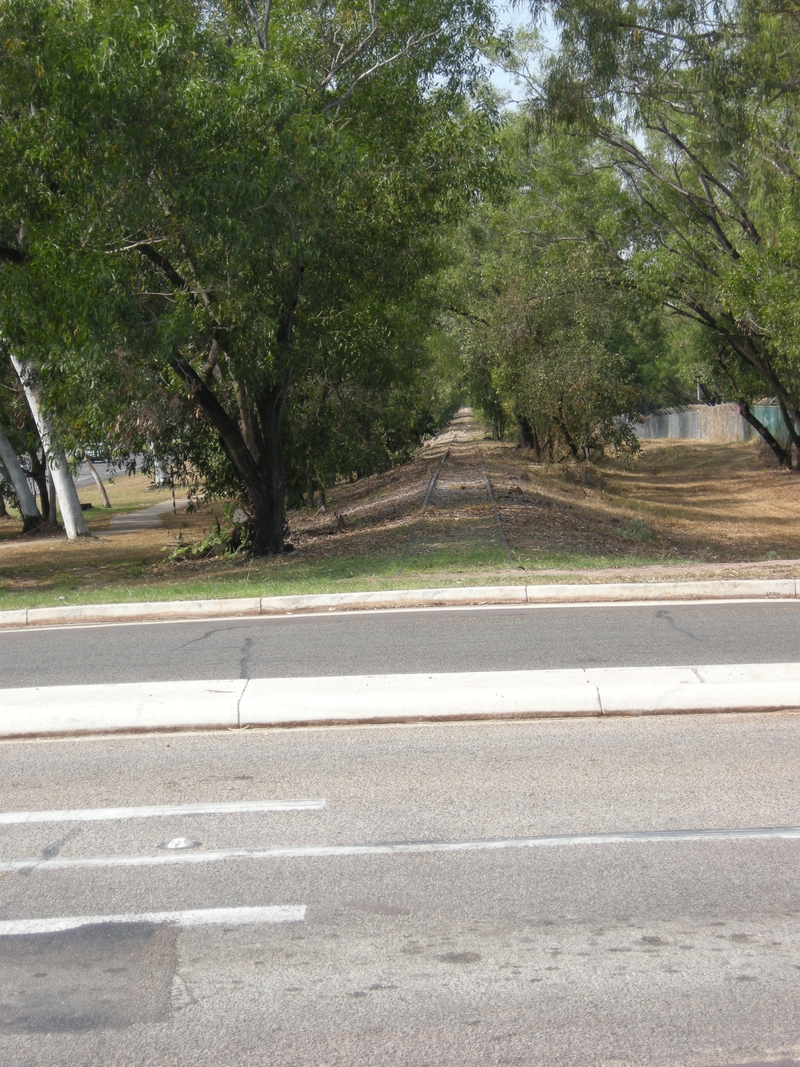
(180, 283)
(466, 315)
(166, 268)
(340, 64)
(135, 245)
(261, 26)
(412, 43)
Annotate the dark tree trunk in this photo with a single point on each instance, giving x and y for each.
(562, 425)
(783, 455)
(314, 488)
(790, 423)
(3, 508)
(268, 498)
(52, 513)
(548, 444)
(38, 474)
(524, 432)
(253, 442)
(262, 476)
(757, 354)
(528, 437)
(537, 448)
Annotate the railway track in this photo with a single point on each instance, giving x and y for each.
(458, 515)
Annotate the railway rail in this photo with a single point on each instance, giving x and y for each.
(458, 480)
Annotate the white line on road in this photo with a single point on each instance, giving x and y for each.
(62, 863)
(286, 913)
(13, 818)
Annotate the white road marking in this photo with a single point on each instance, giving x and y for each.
(242, 807)
(388, 848)
(286, 913)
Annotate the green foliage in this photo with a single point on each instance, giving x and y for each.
(635, 530)
(551, 331)
(697, 105)
(198, 216)
(215, 543)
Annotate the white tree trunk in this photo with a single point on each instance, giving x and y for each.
(27, 503)
(98, 482)
(71, 512)
(161, 478)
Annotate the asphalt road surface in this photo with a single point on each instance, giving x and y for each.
(405, 642)
(84, 480)
(678, 952)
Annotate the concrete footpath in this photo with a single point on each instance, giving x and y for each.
(615, 592)
(285, 702)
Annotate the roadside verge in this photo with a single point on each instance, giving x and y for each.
(623, 592)
(397, 698)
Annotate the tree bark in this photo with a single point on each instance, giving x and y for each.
(562, 425)
(524, 432)
(31, 518)
(791, 428)
(269, 500)
(52, 510)
(253, 444)
(38, 475)
(3, 508)
(263, 480)
(783, 455)
(537, 448)
(71, 511)
(528, 437)
(98, 482)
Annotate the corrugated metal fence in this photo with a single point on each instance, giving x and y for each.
(721, 423)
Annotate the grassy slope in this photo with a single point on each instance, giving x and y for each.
(686, 510)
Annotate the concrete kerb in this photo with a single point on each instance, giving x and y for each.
(783, 588)
(386, 699)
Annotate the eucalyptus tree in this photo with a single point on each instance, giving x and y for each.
(18, 484)
(697, 103)
(199, 197)
(18, 438)
(56, 460)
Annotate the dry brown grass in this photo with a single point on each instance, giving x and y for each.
(682, 507)
(699, 504)
(685, 508)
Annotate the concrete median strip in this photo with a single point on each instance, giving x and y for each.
(67, 709)
(509, 595)
(283, 702)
